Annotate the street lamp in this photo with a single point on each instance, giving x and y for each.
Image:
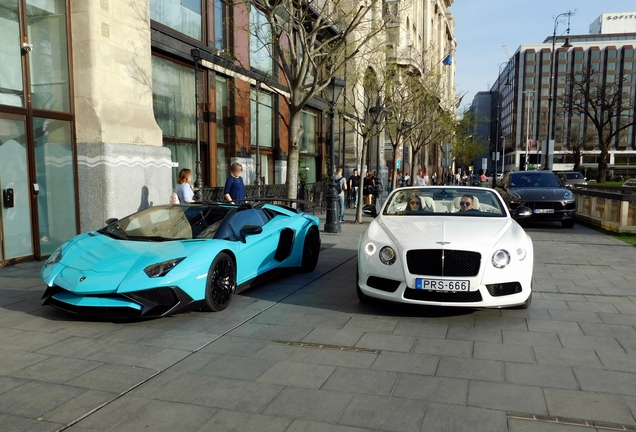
(378, 114)
(527, 93)
(332, 93)
(498, 131)
(552, 87)
(198, 181)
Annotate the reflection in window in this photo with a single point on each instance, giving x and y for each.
(222, 110)
(264, 122)
(221, 166)
(308, 147)
(174, 107)
(11, 89)
(182, 15)
(54, 171)
(49, 58)
(220, 25)
(260, 40)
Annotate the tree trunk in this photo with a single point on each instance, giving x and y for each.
(392, 171)
(414, 169)
(363, 173)
(293, 156)
(602, 168)
(576, 154)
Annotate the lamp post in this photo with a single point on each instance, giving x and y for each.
(198, 181)
(378, 113)
(527, 93)
(332, 92)
(552, 87)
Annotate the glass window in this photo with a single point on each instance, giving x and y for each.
(611, 66)
(264, 122)
(54, 171)
(530, 69)
(221, 166)
(16, 233)
(530, 56)
(260, 39)
(222, 110)
(174, 107)
(182, 15)
(220, 25)
(578, 55)
(11, 87)
(49, 59)
(596, 54)
(308, 140)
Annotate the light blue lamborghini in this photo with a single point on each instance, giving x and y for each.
(171, 258)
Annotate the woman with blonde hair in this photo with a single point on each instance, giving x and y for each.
(184, 190)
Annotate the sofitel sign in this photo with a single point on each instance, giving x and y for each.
(620, 17)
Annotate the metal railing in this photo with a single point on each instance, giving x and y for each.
(312, 192)
(614, 211)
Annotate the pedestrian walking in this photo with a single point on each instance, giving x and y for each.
(234, 191)
(354, 187)
(341, 187)
(368, 185)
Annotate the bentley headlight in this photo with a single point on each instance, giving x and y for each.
(568, 195)
(55, 258)
(369, 249)
(387, 255)
(521, 254)
(501, 258)
(163, 268)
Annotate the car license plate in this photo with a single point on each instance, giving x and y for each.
(442, 285)
(544, 210)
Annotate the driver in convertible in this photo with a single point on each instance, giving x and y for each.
(414, 206)
(467, 203)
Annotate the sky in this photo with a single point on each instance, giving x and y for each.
(483, 26)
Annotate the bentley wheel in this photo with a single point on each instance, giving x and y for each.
(568, 223)
(221, 283)
(311, 250)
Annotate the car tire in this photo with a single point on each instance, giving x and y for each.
(526, 304)
(311, 250)
(568, 223)
(221, 283)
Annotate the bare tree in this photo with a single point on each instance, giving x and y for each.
(360, 98)
(467, 147)
(607, 110)
(577, 141)
(309, 42)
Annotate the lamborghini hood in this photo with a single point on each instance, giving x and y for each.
(95, 263)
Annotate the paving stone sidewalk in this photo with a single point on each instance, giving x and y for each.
(302, 354)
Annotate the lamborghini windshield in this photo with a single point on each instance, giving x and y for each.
(169, 222)
(444, 201)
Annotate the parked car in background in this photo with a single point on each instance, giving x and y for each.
(572, 179)
(543, 192)
(629, 184)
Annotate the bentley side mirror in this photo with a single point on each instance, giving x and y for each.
(370, 210)
(522, 212)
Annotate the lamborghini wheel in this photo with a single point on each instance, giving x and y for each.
(311, 250)
(221, 283)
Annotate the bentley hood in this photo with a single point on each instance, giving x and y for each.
(435, 232)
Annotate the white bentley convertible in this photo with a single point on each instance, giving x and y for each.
(446, 246)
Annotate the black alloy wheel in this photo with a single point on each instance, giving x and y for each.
(221, 283)
(311, 250)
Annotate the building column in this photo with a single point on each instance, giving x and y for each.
(122, 165)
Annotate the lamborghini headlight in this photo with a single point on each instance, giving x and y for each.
(501, 258)
(369, 249)
(55, 258)
(387, 255)
(163, 268)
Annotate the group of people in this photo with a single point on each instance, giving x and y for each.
(233, 193)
